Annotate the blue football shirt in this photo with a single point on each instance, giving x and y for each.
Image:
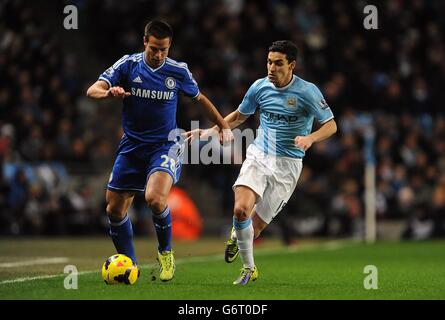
(149, 113)
(285, 113)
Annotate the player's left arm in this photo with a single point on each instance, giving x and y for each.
(319, 108)
(325, 131)
(214, 116)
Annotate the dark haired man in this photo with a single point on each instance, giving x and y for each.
(148, 159)
(269, 175)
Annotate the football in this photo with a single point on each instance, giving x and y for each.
(120, 269)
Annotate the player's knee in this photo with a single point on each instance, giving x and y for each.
(114, 211)
(241, 212)
(156, 203)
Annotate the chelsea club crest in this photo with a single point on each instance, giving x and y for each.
(170, 83)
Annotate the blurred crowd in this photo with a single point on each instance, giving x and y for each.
(392, 75)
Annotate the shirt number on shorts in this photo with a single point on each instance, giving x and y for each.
(168, 163)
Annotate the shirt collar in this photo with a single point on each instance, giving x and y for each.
(286, 86)
(146, 64)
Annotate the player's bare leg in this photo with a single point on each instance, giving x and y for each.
(258, 224)
(156, 195)
(157, 191)
(121, 230)
(118, 203)
(245, 199)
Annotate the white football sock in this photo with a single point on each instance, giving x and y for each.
(244, 234)
(233, 234)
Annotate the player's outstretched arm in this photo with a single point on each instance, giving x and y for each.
(215, 117)
(325, 131)
(100, 90)
(233, 119)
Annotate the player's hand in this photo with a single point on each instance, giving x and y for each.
(118, 92)
(303, 143)
(202, 134)
(191, 135)
(226, 136)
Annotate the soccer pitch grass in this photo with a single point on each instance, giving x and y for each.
(33, 269)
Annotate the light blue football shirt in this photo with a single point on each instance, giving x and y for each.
(285, 113)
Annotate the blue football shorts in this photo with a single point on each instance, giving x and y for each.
(136, 162)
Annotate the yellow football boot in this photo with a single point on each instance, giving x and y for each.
(245, 276)
(232, 250)
(167, 265)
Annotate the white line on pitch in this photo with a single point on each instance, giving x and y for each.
(34, 262)
(50, 276)
(333, 245)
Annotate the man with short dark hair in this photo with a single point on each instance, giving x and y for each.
(149, 154)
(269, 175)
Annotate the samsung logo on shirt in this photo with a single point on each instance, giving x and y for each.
(152, 94)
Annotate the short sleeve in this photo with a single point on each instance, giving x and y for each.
(318, 106)
(189, 85)
(249, 104)
(114, 74)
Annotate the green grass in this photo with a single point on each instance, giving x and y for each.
(310, 270)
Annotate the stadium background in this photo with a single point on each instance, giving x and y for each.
(57, 146)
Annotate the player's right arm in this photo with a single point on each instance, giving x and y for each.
(101, 90)
(108, 84)
(247, 107)
(234, 119)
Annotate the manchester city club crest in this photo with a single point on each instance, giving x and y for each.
(170, 83)
(291, 102)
